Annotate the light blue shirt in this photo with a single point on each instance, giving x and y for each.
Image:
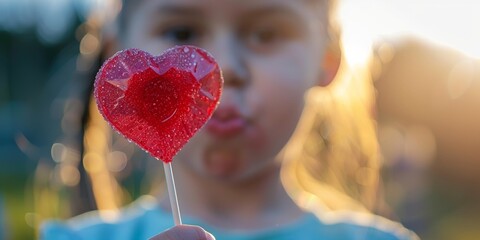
(144, 219)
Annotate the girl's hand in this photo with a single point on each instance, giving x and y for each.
(184, 232)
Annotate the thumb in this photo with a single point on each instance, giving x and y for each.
(184, 232)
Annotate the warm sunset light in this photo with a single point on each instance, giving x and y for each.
(451, 23)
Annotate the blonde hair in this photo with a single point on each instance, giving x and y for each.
(333, 157)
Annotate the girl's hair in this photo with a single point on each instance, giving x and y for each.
(333, 157)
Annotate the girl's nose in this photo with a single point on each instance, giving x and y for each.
(226, 49)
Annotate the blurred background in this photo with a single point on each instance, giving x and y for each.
(423, 57)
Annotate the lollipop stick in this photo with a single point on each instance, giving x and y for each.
(172, 193)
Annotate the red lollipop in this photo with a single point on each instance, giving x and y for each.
(159, 102)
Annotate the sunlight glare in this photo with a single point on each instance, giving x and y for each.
(454, 24)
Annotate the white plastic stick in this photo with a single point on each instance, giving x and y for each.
(172, 193)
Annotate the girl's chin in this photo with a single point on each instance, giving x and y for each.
(222, 165)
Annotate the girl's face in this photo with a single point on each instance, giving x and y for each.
(270, 52)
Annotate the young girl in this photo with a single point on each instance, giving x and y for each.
(228, 181)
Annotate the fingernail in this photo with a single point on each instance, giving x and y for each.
(209, 236)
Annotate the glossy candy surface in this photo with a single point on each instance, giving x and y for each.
(159, 102)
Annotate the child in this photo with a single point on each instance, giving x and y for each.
(228, 179)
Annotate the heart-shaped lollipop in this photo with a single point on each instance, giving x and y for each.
(159, 102)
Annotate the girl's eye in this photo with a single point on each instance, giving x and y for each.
(271, 32)
(266, 38)
(180, 34)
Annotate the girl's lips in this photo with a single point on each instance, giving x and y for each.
(226, 122)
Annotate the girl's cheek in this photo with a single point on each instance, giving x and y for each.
(290, 71)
